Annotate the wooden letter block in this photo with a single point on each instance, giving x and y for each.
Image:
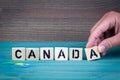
(18, 53)
(46, 53)
(32, 53)
(75, 53)
(92, 53)
(61, 53)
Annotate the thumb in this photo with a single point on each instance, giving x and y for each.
(109, 43)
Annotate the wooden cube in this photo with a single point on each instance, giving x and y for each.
(32, 53)
(46, 53)
(75, 53)
(61, 53)
(92, 53)
(18, 53)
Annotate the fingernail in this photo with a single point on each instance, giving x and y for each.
(101, 49)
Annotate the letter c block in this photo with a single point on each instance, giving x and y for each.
(18, 53)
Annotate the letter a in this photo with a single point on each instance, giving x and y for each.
(93, 53)
(61, 53)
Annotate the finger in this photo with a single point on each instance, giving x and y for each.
(106, 24)
(95, 42)
(109, 43)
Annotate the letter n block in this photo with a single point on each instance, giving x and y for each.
(46, 53)
(75, 53)
(92, 53)
(18, 53)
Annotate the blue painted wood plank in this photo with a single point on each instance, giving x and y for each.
(108, 67)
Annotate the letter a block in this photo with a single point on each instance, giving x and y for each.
(32, 53)
(61, 53)
(92, 53)
(18, 53)
(75, 53)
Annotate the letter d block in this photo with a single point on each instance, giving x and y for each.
(75, 53)
(18, 53)
(92, 53)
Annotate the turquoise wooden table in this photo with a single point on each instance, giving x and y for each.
(107, 68)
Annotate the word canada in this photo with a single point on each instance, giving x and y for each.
(57, 53)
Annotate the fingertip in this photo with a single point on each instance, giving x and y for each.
(101, 48)
(89, 44)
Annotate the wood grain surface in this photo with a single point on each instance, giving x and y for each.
(51, 20)
(106, 68)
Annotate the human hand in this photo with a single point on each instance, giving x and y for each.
(106, 32)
